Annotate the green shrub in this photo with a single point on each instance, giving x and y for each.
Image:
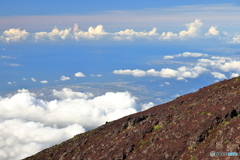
(157, 127)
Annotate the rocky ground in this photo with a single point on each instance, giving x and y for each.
(189, 127)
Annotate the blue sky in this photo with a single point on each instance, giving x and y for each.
(45, 7)
(46, 44)
(171, 47)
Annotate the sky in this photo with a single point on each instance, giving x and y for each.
(164, 45)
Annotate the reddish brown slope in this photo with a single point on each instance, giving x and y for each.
(188, 127)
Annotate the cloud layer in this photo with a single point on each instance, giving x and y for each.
(180, 73)
(186, 54)
(213, 65)
(29, 124)
(193, 30)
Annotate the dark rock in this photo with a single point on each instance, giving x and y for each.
(189, 127)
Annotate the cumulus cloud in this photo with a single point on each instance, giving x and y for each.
(54, 35)
(129, 34)
(193, 29)
(68, 93)
(231, 66)
(234, 75)
(64, 78)
(147, 106)
(92, 33)
(44, 81)
(132, 32)
(236, 39)
(14, 35)
(95, 33)
(79, 74)
(168, 36)
(45, 123)
(181, 73)
(224, 64)
(75, 28)
(213, 65)
(212, 31)
(135, 73)
(20, 138)
(26, 91)
(218, 75)
(214, 62)
(176, 95)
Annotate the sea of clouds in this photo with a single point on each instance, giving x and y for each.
(28, 124)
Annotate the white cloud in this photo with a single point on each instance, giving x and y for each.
(168, 36)
(34, 80)
(225, 64)
(165, 72)
(186, 54)
(96, 30)
(97, 75)
(75, 28)
(14, 35)
(147, 106)
(212, 31)
(221, 58)
(68, 93)
(236, 39)
(129, 34)
(214, 62)
(234, 75)
(218, 75)
(192, 54)
(132, 32)
(44, 81)
(213, 65)
(135, 73)
(231, 66)
(168, 57)
(97, 33)
(14, 64)
(41, 94)
(92, 33)
(26, 91)
(45, 123)
(24, 79)
(193, 29)
(9, 83)
(7, 57)
(181, 73)
(20, 138)
(64, 78)
(79, 74)
(176, 95)
(167, 83)
(54, 35)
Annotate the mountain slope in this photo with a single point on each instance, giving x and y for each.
(189, 127)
